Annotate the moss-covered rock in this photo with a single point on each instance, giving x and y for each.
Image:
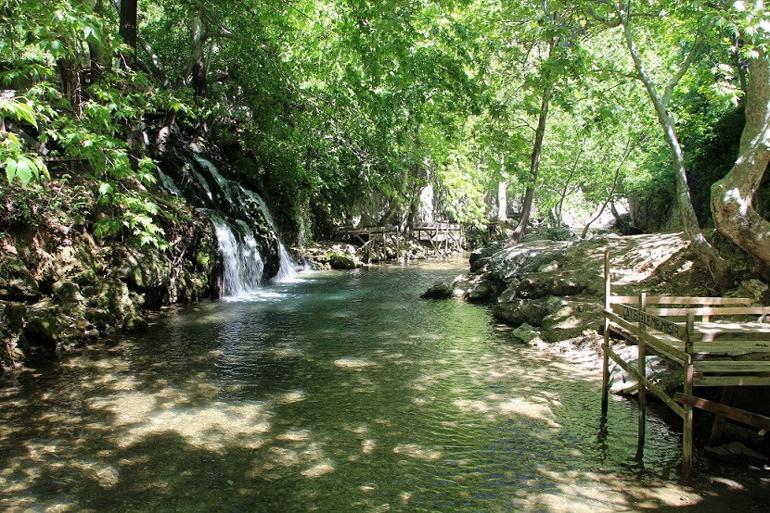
(529, 311)
(342, 261)
(16, 282)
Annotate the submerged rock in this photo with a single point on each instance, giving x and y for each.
(525, 333)
(439, 290)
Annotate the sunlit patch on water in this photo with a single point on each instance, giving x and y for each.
(342, 393)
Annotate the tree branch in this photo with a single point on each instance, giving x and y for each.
(683, 67)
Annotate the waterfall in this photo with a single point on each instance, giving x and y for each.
(242, 263)
(240, 219)
(287, 271)
(222, 182)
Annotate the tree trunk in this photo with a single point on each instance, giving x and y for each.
(702, 248)
(732, 196)
(534, 166)
(611, 194)
(128, 29)
(69, 74)
(198, 66)
(502, 201)
(96, 53)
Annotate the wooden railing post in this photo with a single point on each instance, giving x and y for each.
(606, 344)
(687, 441)
(642, 369)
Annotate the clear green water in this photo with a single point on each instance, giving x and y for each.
(342, 393)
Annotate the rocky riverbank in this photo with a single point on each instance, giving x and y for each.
(551, 294)
(61, 284)
(342, 255)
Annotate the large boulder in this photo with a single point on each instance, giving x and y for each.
(44, 326)
(572, 320)
(342, 261)
(529, 311)
(477, 288)
(543, 284)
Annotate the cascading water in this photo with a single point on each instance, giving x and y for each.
(242, 263)
(287, 271)
(239, 216)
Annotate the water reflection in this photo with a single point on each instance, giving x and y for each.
(342, 393)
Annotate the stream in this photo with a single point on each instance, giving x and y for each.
(337, 392)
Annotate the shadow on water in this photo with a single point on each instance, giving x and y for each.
(341, 393)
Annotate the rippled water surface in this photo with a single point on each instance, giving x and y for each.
(343, 392)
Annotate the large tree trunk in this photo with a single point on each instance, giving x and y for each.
(198, 66)
(702, 248)
(732, 196)
(128, 30)
(534, 166)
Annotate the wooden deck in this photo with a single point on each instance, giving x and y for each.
(718, 342)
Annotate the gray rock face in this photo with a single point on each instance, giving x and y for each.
(530, 311)
(753, 289)
(67, 292)
(572, 320)
(16, 281)
(439, 290)
(541, 284)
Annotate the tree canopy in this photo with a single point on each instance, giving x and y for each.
(349, 103)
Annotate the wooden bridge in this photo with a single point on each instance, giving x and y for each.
(718, 342)
(439, 236)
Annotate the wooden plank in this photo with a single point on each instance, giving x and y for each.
(698, 300)
(732, 347)
(713, 311)
(628, 300)
(684, 300)
(717, 427)
(688, 383)
(732, 381)
(731, 366)
(745, 417)
(641, 364)
(666, 345)
(649, 318)
(652, 387)
(606, 341)
(719, 330)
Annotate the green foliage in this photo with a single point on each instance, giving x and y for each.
(335, 103)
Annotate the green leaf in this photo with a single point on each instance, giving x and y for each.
(25, 170)
(10, 169)
(24, 111)
(105, 189)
